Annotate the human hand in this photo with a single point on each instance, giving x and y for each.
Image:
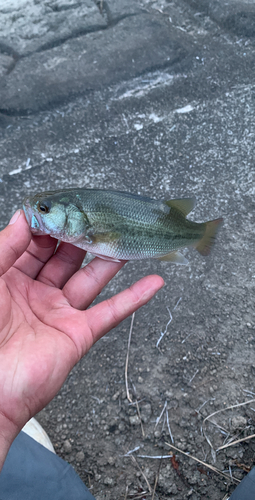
(45, 328)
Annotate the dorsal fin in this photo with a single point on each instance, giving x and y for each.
(184, 205)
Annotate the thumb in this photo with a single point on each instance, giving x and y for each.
(14, 240)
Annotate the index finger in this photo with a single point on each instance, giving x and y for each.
(104, 316)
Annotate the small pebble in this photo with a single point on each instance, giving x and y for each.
(238, 423)
(109, 481)
(79, 456)
(145, 411)
(116, 395)
(134, 420)
(67, 446)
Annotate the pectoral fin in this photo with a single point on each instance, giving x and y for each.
(175, 257)
(100, 237)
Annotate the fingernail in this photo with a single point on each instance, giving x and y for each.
(15, 217)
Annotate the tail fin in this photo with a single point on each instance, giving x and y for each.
(207, 241)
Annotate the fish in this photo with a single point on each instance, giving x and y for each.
(116, 225)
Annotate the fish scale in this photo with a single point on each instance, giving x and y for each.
(118, 225)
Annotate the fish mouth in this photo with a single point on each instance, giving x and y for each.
(34, 220)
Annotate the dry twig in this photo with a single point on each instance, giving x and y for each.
(156, 481)
(158, 457)
(126, 493)
(139, 415)
(160, 416)
(164, 332)
(145, 478)
(126, 375)
(228, 408)
(169, 428)
(235, 442)
(215, 413)
(127, 358)
(211, 467)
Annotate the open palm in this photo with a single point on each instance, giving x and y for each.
(44, 325)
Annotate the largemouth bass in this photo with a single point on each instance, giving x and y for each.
(119, 226)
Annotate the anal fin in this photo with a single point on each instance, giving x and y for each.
(105, 257)
(175, 257)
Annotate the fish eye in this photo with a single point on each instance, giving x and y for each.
(44, 207)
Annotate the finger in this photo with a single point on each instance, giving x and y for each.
(85, 285)
(84, 328)
(66, 261)
(108, 314)
(39, 251)
(14, 240)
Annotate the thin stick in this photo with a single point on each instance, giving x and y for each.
(159, 418)
(126, 493)
(155, 486)
(177, 303)
(139, 415)
(249, 392)
(126, 374)
(158, 457)
(230, 472)
(164, 332)
(203, 404)
(145, 478)
(139, 495)
(163, 425)
(235, 442)
(215, 413)
(213, 452)
(131, 451)
(228, 408)
(184, 340)
(214, 469)
(127, 358)
(235, 437)
(156, 481)
(192, 378)
(169, 428)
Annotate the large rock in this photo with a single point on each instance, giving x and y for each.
(114, 10)
(135, 45)
(237, 16)
(6, 64)
(27, 26)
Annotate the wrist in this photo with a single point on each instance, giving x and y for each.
(8, 432)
